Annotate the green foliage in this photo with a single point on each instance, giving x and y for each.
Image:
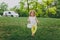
(3, 7)
(21, 6)
(42, 9)
(58, 9)
(52, 10)
(23, 13)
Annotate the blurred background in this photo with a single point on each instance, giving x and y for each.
(43, 8)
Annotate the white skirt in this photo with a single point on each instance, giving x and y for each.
(30, 25)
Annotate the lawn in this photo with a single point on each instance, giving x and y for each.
(15, 29)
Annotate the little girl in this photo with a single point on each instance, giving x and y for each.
(33, 20)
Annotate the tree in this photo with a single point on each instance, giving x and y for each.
(3, 7)
(58, 9)
(50, 7)
(46, 8)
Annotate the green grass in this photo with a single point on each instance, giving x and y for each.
(15, 29)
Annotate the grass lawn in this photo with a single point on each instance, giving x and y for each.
(15, 29)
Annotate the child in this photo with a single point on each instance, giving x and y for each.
(33, 20)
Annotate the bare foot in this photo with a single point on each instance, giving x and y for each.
(32, 35)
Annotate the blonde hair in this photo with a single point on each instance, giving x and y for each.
(31, 12)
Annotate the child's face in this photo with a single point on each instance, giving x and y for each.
(32, 13)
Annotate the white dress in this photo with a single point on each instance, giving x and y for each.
(32, 21)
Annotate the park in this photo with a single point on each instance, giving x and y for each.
(15, 28)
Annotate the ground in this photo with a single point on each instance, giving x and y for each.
(15, 29)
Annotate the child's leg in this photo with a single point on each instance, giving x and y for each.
(34, 28)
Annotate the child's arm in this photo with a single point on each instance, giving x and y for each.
(36, 20)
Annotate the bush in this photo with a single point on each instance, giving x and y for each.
(1, 12)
